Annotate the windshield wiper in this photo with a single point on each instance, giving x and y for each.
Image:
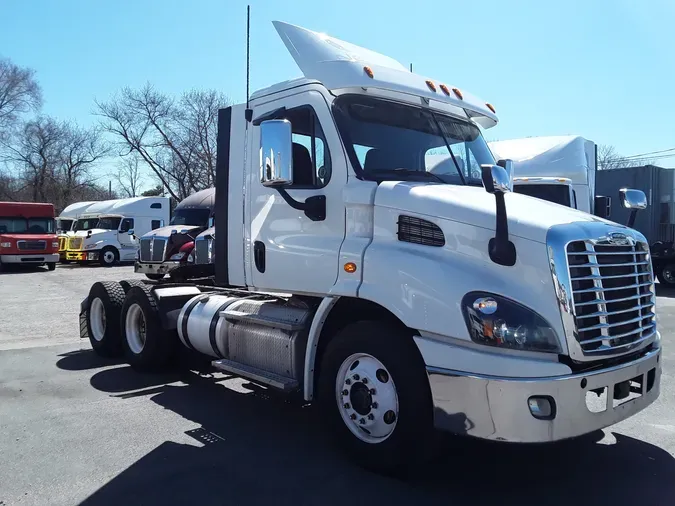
(404, 172)
(447, 144)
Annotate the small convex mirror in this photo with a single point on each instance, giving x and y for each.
(633, 199)
(131, 232)
(276, 153)
(495, 179)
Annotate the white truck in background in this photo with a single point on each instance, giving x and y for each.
(106, 233)
(398, 298)
(65, 224)
(558, 169)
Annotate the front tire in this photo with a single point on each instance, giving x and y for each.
(103, 318)
(147, 346)
(374, 392)
(666, 275)
(108, 256)
(51, 266)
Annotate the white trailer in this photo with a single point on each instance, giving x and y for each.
(107, 232)
(400, 300)
(66, 220)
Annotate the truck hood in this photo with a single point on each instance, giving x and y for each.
(529, 217)
(84, 233)
(168, 230)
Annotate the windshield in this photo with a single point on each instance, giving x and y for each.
(557, 193)
(63, 224)
(109, 223)
(391, 141)
(26, 226)
(85, 224)
(193, 216)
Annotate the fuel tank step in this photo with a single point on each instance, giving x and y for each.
(258, 375)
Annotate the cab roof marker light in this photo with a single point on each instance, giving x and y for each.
(445, 89)
(431, 85)
(491, 107)
(458, 93)
(368, 71)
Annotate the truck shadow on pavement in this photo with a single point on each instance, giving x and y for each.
(664, 291)
(263, 449)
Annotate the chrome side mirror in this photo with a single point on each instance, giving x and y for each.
(496, 179)
(276, 153)
(633, 199)
(507, 165)
(131, 232)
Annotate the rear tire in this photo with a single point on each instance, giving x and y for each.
(128, 283)
(394, 405)
(103, 318)
(147, 346)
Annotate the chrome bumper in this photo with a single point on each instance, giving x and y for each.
(497, 408)
(157, 268)
(34, 258)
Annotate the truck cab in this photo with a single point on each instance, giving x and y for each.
(65, 225)
(553, 189)
(27, 235)
(106, 232)
(169, 250)
(400, 295)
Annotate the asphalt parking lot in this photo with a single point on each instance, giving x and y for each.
(76, 429)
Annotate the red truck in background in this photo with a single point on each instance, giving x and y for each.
(27, 235)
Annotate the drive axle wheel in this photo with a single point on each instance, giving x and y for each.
(108, 256)
(105, 301)
(147, 346)
(374, 391)
(666, 275)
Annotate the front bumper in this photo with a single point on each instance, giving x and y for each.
(497, 408)
(82, 256)
(35, 258)
(156, 268)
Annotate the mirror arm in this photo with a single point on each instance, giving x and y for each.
(502, 250)
(631, 218)
(314, 207)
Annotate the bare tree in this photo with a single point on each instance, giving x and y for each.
(609, 158)
(175, 139)
(19, 94)
(51, 161)
(129, 176)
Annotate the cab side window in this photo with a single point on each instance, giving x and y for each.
(157, 224)
(311, 158)
(127, 224)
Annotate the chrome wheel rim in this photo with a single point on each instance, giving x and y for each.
(367, 398)
(668, 275)
(108, 257)
(97, 319)
(135, 328)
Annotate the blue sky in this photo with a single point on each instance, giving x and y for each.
(603, 69)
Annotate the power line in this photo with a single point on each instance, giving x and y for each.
(648, 154)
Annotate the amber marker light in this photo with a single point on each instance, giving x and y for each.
(458, 93)
(444, 89)
(350, 267)
(368, 71)
(431, 85)
(492, 108)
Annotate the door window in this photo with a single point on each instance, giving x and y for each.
(127, 224)
(311, 158)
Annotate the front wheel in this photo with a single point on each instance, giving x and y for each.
(666, 274)
(374, 392)
(51, 266)
(108, 256)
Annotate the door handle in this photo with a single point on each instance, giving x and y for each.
(259, 255)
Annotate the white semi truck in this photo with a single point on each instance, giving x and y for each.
(398, 299)
(106, 232)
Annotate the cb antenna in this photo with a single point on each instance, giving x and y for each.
(411, 67)
(249, 112)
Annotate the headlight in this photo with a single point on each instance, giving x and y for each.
(493, 320)
(90, 246)
(55, 244)
(178, 256)
(5, 244)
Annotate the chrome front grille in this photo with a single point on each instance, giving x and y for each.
(152, 249)
(613, 298)
(203, 246)
(31, 245)
(75, 243)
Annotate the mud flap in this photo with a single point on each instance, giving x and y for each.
(84, 309)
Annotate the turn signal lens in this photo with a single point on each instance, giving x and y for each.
(350, 267)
